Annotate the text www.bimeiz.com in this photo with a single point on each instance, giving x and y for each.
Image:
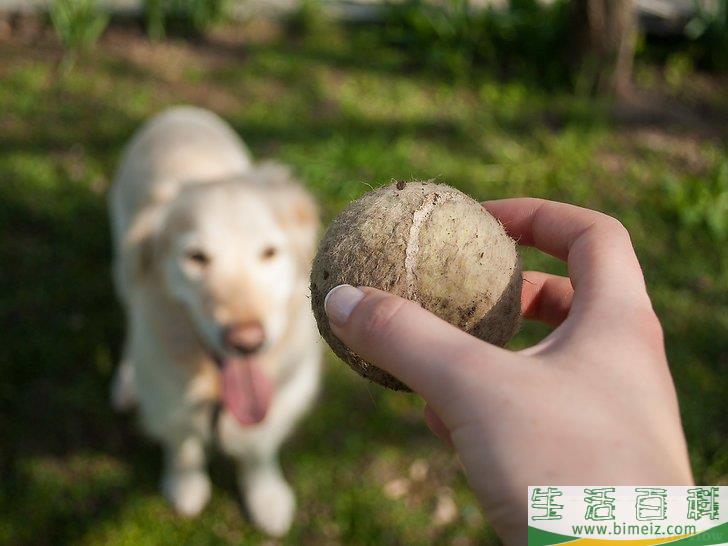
(645, 529)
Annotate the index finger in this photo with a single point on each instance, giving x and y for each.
(602, 263)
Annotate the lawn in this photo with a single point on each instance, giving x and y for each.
(347, 113)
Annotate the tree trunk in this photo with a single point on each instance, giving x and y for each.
(609, 31)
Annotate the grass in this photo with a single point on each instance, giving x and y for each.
(346, 113)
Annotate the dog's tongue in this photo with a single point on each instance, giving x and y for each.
(246, 391)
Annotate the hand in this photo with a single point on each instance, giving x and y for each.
(591, 404)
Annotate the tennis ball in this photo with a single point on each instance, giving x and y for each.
(429, 243)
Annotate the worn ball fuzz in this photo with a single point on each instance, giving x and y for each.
(429, 243)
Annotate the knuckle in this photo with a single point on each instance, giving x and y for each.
(650, 326)
(644, 325)
(379, 318)
(615, 227)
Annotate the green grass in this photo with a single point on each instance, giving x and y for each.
(346, 114)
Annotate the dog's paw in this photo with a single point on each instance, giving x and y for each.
(123, 392)
(188, 492)
(271, 503)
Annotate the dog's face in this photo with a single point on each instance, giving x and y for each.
(230, 263)
(233, 254)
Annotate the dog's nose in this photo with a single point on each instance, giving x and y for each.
(245, 337)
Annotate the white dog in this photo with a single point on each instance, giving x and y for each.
(212, 256)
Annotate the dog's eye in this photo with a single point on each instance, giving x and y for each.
(198, 257)
(269, 252)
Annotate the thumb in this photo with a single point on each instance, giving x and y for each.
(432, 357)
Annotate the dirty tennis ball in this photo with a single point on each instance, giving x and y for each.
(429, 243)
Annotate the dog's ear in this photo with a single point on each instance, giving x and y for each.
(294, 207)
(139, 244)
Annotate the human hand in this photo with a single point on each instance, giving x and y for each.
(592, 403)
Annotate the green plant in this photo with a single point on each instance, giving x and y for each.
(523, 39)
(155, 18)
(709, 32)
(78, 24)
(189, 17)
(678, 67)
(307, 19)
(700, 201)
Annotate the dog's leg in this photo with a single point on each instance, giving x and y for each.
(185, 482)
(123, 389)
(268, 496)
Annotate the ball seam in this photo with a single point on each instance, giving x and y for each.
(419, 217)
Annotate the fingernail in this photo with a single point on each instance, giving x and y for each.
(340, 302)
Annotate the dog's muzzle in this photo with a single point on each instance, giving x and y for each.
(245, 338)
